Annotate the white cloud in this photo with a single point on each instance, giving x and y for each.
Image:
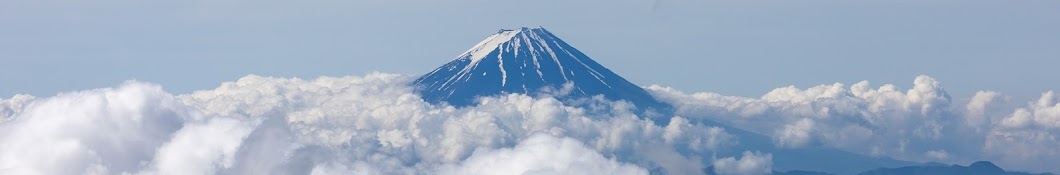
(359, 168)
(1044, 113)
(201, 148)
(379, 114)
(796, 134)
(976, 111)
(752, 163)
(374, 124)
(938, 154)
(915, 124)
(870, 121)
(108, 131)
(10, 107)
(331, 125)
(1028, 137)
(541, 154)
(700, 138)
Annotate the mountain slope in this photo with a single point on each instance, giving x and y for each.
(529, 61)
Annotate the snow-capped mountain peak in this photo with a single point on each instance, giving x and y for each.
(486, 46)
(529, 61)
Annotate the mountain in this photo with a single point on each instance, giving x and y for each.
(931, 168)
(529, 61)
(534, 61)
(977, 168)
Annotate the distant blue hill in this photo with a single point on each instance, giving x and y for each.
(977, 168)
(931, 168)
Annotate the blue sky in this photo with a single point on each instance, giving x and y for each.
(743, 48)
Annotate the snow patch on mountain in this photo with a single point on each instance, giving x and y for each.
(488, 45)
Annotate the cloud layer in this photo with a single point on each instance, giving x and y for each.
(922, 123)
(371, 124)
(544, 155)
(374, 124)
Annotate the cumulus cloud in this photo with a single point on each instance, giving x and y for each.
(1044, 113)
(874, 121)
(9, 107)
(752, 163)
(375, 124)
(796, 134)
(371, 124)
(102, 131)
(541, 154)
(201, 148)
(976, 115)
(1028, 137)
(921, 123)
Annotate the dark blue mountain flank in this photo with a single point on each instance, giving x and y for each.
(977, 168)
(529, 61)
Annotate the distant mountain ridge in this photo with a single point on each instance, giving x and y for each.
(977, 168)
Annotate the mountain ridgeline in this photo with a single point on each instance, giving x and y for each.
(977, 168)
(529, 61)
